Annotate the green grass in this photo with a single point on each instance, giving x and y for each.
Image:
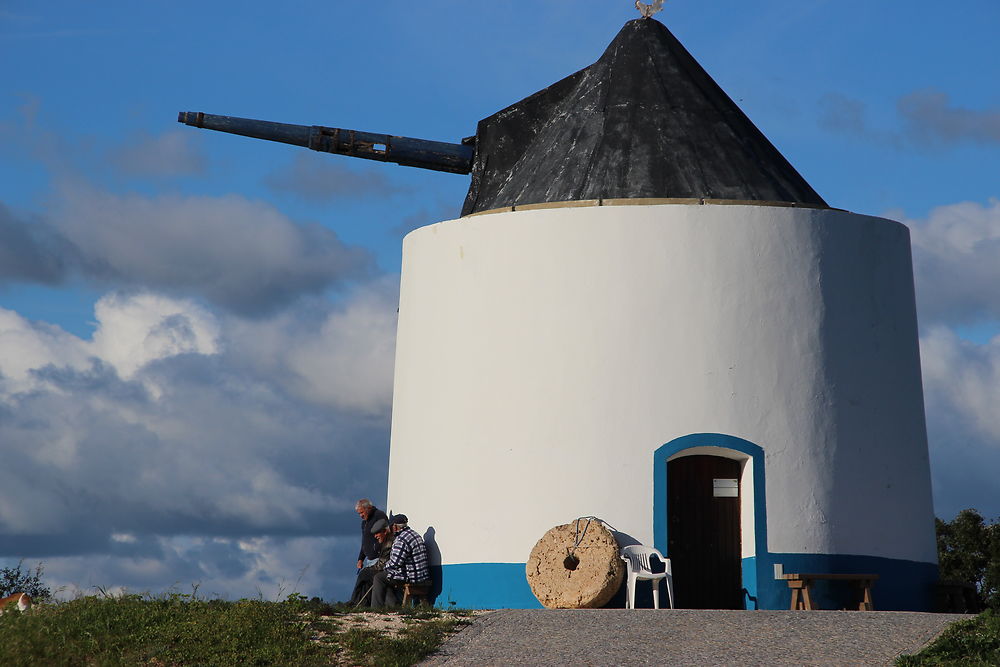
(416, 642)
(972, 642)
(182, 630)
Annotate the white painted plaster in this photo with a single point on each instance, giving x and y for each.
(544, 355)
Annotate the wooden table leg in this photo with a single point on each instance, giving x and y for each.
(866, 596)
(795, 597)
(807, 598)
(800, 595)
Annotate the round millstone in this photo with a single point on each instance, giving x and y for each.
(585, 577)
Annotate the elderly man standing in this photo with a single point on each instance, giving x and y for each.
(407, 564)
(369, 546)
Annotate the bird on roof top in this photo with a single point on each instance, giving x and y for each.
(650, 9)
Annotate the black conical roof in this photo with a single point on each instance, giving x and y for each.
(643, 121)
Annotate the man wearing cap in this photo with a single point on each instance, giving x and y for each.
(369, 547)
(363, 586)
(407, 564)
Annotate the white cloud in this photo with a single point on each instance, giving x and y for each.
(181, 445)
(956, 256)
(341, 357)
(964, 377)
(134, 330)
(213, 566)
(349, 362)
(26, 345)
(962, 392)
(243, 255)
(238, 253)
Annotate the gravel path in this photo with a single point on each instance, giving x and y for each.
(690, 637)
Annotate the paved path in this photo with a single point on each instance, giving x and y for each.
(690, 637)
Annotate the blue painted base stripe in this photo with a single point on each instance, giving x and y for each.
(903, 585)
(484, 586)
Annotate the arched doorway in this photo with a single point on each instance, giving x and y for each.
(746, 466)
(703, 528)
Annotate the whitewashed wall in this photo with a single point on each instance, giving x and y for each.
(543, 356)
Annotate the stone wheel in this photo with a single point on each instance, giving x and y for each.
(587, 582)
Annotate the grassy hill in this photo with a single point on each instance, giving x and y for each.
(180, 629)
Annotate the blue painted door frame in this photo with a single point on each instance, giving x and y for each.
(755, 568)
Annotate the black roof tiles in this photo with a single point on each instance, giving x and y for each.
(645, 120)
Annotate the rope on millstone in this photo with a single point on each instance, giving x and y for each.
(571, 561)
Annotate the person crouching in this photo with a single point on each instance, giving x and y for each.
(363, 586)
(407, 564)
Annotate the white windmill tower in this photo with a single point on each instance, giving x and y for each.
(646, 314)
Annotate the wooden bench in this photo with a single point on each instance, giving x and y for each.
(418, 591)
(801, 585)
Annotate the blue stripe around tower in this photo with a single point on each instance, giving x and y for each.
(902, 586)
(484, 586)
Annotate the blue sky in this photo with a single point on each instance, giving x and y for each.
(196, 329)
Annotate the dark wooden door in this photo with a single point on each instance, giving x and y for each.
(703, 532)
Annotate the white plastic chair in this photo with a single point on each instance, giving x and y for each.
(636, 559)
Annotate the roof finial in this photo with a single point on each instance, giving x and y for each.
(650, 9)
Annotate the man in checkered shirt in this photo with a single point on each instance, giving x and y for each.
(407, 564)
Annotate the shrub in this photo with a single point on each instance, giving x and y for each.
(972, 642)
(969, 550)
(17, 580)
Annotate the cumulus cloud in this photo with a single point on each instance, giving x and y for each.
(224, 416)
(31, 251)
(169, 154)
(956, 256)
(223, 567)
(323, 178)
(163, 450)
(137, 329)
(357, 341)
(962, 392)
(340, 355)
(26, 346)
(243, 255)
(238, 253)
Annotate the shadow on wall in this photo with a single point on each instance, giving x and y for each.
(434, 561)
